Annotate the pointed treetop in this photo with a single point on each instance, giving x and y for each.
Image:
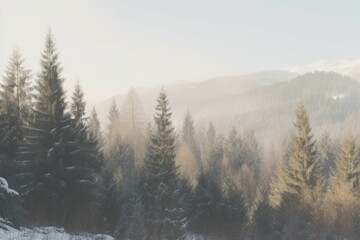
(78, 104)
(114, 112)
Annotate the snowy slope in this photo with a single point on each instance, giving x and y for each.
(44, 233)
(349, 68)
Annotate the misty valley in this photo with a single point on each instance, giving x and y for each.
(269, 155)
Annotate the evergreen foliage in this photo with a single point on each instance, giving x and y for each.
(303, 174)
(163, 215)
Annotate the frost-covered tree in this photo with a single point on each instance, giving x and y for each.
(164, 218)
(10, 208)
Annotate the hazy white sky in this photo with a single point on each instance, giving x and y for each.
(111, 45)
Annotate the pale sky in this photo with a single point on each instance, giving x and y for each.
(111, 45)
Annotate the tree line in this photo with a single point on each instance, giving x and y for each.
(139, 180)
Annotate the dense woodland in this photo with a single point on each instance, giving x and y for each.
(140, 179)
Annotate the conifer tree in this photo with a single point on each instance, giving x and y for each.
(278, 183)
(303, 173)
(347, 166)
(251, 153)
(58, 180)
(327, 149)
(188, 134)
(119, 154)
(94, 128)
(14, 113)
(114, 117)
(163, 215)
(343, 190)
(213, 153)
(233, 151)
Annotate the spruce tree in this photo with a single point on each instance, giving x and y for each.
(119, 154)
(213, 153)
(94, 128)
(251, 153)
(15, 98)
(163, 215)
(343, 190)
(327, 151)
(233, 151)
(58, 180)
(78, 111)
(303, 173)
(113, 117)
(347, 166)
(188, 134)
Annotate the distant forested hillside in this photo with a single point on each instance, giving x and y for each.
(263, 102)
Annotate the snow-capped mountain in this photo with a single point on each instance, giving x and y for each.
(349, 68)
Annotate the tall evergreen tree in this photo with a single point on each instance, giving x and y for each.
(114, 117)
(327, 151)
(303, 173)
(233, 151)
(14, 113)
(188, 134)
(58, 180)
(78, 112)
(251, 153)
(94, 128)
(213, 151)
(78, 104)
(161, 177)
(347, 166)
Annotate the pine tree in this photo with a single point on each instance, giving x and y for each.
(78, 103)
(327, 149)
(278, 183)
(188, 134)
(94, 128)
(119, 154)
(16, 88)
(347, 166)
(58, 181)
(251, 153)
(213, 153)
(233, 151)
(114, 117)
(303, 176)
(14, 113)
(343, 191)
(163, 215)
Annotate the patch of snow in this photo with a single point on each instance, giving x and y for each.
(47, 233)
(338, 97)
(4, 186)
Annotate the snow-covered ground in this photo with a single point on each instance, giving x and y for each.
(45, 233)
